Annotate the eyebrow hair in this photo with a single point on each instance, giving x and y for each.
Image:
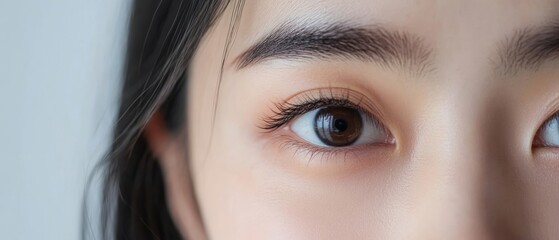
(528, 49)
(387, 48)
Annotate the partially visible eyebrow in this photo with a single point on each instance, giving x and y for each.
(528, 49)
(388, 48)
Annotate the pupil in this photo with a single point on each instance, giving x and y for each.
(338, 126)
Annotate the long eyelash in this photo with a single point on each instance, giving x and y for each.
(286, 111)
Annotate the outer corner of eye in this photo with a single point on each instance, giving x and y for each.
(548, 134)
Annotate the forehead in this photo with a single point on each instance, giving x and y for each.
(403, 13)
(462, 34)
(435, 21)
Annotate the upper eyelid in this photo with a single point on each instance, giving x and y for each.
(549, 119)
(288, 112)
(343, 96)
(353, 96)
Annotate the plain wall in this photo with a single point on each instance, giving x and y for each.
(60, 69)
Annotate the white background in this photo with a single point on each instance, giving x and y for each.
(60, 66)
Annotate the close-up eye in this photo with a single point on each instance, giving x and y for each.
(548, 134)
(334, 126)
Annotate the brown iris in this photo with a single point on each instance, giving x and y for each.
(338, 126)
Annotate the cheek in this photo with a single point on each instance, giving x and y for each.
(245, 194)
(541, 196)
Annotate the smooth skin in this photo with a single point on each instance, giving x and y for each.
(462, 166)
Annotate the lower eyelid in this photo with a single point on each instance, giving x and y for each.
(300, 150)
(307, 153)
(305, 160)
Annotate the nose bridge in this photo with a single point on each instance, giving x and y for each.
(450, 164)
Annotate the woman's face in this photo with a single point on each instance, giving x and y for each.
(379, 119)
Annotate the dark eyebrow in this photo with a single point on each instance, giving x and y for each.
(529, 48)
(388, 48)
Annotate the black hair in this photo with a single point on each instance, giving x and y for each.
(163, 37)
